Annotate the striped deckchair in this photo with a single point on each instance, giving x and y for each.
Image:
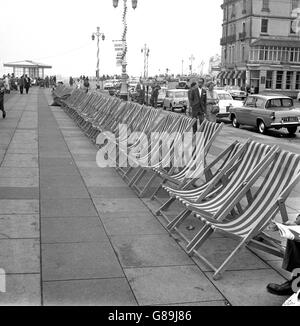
(253, 162)
(196, 164)
(217, 173)
(178, 126)
(269, 200)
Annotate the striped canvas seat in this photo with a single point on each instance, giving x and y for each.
(196, 165)
(253, 162)
(283, 175)
(153, 158)
(231, 156)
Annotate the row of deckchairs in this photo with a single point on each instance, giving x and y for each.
(236, 195)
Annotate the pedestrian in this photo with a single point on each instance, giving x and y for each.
(26, 83)
(154, 95)
(2, 91)
(212, 103)
(198, 101)
(71, 81)
(21, 84)
(86, 84)
(193, 84)
(47, 82)
(7, 83)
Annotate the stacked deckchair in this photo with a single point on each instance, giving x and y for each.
(61, 93)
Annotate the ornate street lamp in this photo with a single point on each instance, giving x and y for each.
(98, 35)
(124, 86)
(146, 52)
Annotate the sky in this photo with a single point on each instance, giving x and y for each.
(58, 33)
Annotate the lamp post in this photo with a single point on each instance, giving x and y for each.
(98, 35)
(124, 86)
(146, 52)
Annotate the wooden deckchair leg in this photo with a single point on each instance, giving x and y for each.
(142, 193)
(166, 205)
(139, 174)
(219, 272)
(195, 243)
(157, 190)
(178, 220)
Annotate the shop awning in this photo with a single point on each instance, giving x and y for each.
(221, 74)
(275, 42)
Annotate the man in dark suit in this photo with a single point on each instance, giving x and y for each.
(198, 102)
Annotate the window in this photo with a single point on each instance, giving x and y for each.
(244, 10)
(295, 4)
(279, 79)
(250, 102)
(298, 80)
(289, 77)
(259, 103)
(243, 53)
(264, 25)
(269, 79)
(233, 10)
(287, 103)
(266, 5)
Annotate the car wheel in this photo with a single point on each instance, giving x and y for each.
(235, 123)
(292, 130)
(261, 127)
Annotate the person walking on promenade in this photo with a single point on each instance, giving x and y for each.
(2, 91)
(7, 83)
(26, 83)
(198, 102)
(212, 103)
(21, 84)
(86, 84)
(71, 81)
(193, 84)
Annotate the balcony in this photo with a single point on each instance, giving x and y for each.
(228, 40)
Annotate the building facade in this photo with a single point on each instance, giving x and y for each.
(261, 45)
(28, 67)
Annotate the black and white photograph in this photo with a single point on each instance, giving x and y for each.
(150, 156)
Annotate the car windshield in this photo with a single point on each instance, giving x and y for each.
(225, 97)
(180, 94)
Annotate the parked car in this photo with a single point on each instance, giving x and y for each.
(182, 85)
(225, 102)
(265, 112)
(237, 93)
(176, 99)
(161, 96)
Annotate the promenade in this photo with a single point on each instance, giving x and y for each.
(74, 234)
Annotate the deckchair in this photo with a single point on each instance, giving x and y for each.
(252, 221)
(196, 164)
(217, 173)
(178, 126)
(254, 161)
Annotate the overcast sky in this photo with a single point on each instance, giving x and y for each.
(58, 33)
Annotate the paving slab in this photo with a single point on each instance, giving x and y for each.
(133, 226)
(19, 193)
(19, 226)
(19, 206)
(104, 292)
(20, 256)
(248, 288)
(19, 182)
(149, 251)
(119, 205)
(20, 160)
(67, 208)
(22, 290)
(79, 261)
(72, 230)
(168, 285)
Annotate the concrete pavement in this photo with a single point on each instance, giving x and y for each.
(72, 234)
